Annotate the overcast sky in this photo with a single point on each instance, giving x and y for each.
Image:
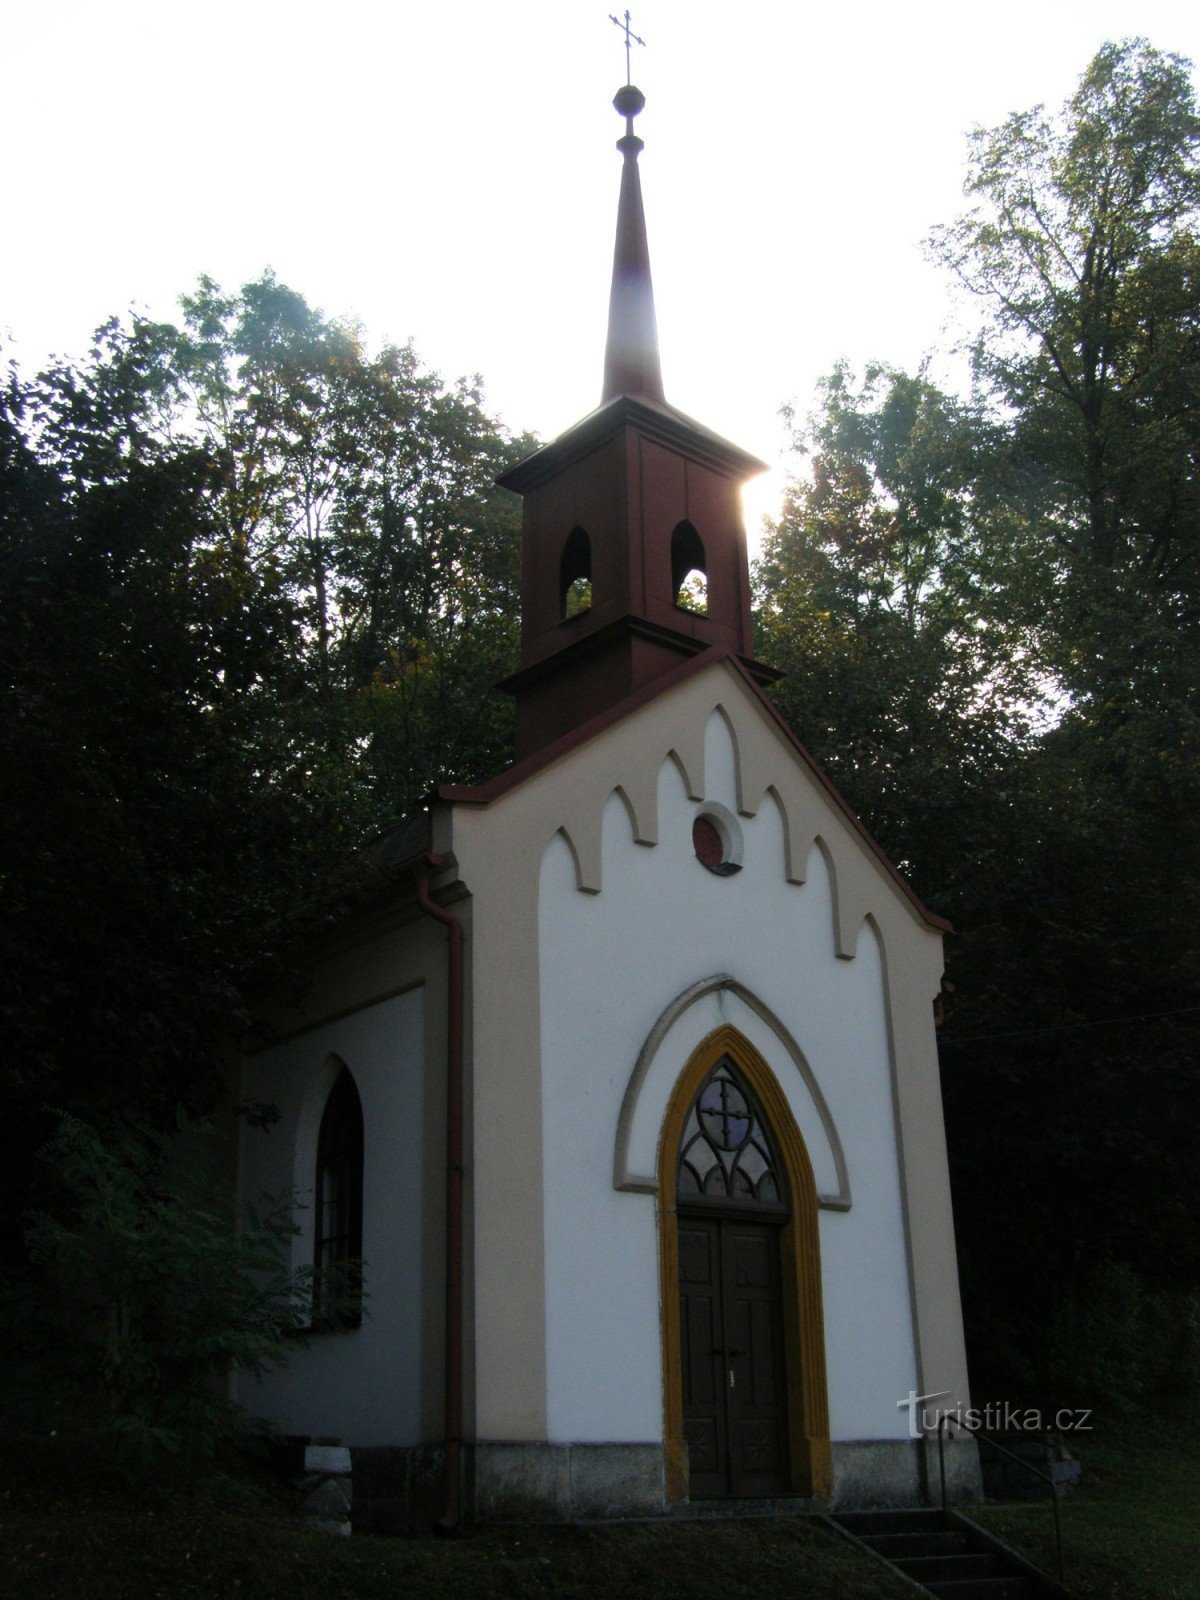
(447, 172)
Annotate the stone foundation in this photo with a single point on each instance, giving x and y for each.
(567, 1482)
(398, 1490)
(870, 1474)
(581, 1482)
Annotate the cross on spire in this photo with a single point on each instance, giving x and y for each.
(631, 38)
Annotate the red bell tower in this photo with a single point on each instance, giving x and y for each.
(633, 549)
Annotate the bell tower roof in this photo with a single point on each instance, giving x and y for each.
(631, 360)
(633, 554)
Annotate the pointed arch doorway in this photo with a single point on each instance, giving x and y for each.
(745, 1401)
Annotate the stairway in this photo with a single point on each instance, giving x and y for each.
(944, 1554)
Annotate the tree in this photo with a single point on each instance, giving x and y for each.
(277, 390)
(989, 613)
(1082, 245)
(153, 823)
(366, 487)
(1069, 1059)
(882, 594)
(254, 590)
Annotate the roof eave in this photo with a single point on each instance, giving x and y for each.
(661, 423)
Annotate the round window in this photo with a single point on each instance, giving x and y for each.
(717, 840)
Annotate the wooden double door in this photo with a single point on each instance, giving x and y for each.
(735, 1411)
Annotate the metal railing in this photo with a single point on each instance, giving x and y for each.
(948, 1420)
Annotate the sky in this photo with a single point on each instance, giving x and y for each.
(447, 172)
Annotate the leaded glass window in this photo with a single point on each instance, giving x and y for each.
(726, 1153)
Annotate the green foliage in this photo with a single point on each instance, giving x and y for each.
(147, 1292)
(367, 488)
(1116, 1342)
(881, 593)
(152, 820)
(255, 589)
(988, 611)
(1129, 1527)
(1082, 245)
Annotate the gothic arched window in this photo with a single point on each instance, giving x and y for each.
(726, 1152)
(575, 575)
(689, 570)
(337, 1273)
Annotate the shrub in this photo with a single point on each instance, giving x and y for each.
(1116, 1341)
(146, 1293)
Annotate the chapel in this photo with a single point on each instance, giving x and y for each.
(618, 1072)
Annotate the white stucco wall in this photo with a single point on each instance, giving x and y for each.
(609, 963)
(362, 1385)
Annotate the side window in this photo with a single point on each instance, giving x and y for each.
(337, 1279)
(689, 570)
(575, 575)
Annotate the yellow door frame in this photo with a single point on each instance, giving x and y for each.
(800, 1261)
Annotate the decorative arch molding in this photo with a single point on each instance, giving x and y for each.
(640, 799)
(800, 1261)
(641, 1183)
(686, 755)
(584, 846)
(795, 867)
(719, 727)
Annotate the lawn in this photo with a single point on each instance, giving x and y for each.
(67, 1533)
(1131, 1529)
(71, 1531)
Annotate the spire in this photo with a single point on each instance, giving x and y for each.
(631, 364)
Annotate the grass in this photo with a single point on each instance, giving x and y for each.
(69, 1530)
(1131, 1528)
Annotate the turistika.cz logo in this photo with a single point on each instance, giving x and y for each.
(998, 1416)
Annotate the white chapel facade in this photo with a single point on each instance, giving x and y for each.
(620, 1073)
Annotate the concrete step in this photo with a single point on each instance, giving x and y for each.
(901, 1547)
(939, 1569)
(867, 1524)
(1002, 1588)
(722, 1510)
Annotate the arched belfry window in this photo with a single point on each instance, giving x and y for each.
(689, 570)
(337, 1277)
(726, 1153)
(575, 575)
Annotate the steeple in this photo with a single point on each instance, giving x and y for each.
(633, 554)
(631, 363)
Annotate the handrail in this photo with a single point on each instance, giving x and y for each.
(946, 1420)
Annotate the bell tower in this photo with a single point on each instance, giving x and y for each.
(633, 549)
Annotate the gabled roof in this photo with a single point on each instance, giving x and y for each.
(506, 782)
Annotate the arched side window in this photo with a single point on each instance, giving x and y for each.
(575, 575)
(726, 1153)
(689, 570)
(337, 1275)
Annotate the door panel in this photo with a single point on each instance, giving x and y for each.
(734, 1402)
(757, 1419)
(701, 1341)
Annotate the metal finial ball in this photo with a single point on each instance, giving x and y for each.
(629, 100)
